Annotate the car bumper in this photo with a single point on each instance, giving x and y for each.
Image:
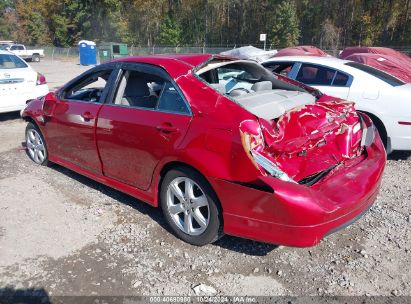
(399, 132)
(17, 102)
(297, 215)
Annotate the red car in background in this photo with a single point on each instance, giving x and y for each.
(222, 145)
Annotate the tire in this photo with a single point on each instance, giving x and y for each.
(381, 131)
(35, 58)
(36, 145)
(194, 215)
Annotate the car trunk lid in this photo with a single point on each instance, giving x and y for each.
(17, 81)
(308, 141)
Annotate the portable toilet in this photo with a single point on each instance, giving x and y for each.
(87, 52)
(111, 50)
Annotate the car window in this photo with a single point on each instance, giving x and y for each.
(16, 47)
(137, 89)
(143, 90)
(9, 61)
(283, 68)
(340, 79)
(171, 100)
(376, 73)
(315, 75)
(240, 74)
(312, 74)
(89, 88)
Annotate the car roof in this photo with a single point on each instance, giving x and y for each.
(4, 52)
(190, 59)
(175, 64)
(313, 59)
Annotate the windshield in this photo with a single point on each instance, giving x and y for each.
(387, 78)
(9, 61)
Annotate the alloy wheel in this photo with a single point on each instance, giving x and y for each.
(188, 206)
(35, 146)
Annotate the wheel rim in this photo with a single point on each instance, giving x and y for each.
(35, 146)
(188, 206)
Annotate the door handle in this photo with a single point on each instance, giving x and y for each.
(167, 128)
(87, 116)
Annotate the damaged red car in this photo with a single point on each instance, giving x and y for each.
(221, 145)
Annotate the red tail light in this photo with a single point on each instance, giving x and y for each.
(40, 79)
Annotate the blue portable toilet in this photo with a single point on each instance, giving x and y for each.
(87, 52)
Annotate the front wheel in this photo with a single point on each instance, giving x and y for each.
(36, 145)
(190, 207)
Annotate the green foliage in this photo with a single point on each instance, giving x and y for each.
(36, 28)
(285, 31)
(170, 32)
(328, 24)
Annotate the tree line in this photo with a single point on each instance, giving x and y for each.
(329, 24)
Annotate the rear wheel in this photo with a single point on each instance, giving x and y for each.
(35, 58)
(190, 207)
(36, 145)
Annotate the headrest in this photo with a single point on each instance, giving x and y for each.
(262, 86)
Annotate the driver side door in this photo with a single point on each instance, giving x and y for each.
(71, 126)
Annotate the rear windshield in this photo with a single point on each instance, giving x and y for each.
(9, 61)
(376, 73)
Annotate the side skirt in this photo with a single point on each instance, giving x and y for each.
(142, 195)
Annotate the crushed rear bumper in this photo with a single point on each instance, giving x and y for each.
(297, 215)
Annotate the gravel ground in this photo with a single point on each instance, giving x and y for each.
(70, 235)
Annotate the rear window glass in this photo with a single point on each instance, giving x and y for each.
(315, 75)
(9, 61)
(227, 73)
(376, 73)
(340, 79)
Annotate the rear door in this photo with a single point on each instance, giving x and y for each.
(144, 124)
(71, 127)
(17, 82)
(329, 81)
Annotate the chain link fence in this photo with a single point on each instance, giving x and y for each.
(72, 53)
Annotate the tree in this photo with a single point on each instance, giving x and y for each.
(170, 32)
(285, 31)
(330, 36)
(31, 27)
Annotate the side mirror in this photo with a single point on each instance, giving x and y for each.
(49, 103)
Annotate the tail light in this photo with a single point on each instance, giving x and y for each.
(253, 144)
(40, 79)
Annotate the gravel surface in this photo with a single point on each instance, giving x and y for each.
(72, 236)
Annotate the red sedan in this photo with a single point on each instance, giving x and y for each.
(221, 145)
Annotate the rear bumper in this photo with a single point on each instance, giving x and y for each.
(300, 216)
(17, 102)
(399, 132)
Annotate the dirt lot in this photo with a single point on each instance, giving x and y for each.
(72, 236)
